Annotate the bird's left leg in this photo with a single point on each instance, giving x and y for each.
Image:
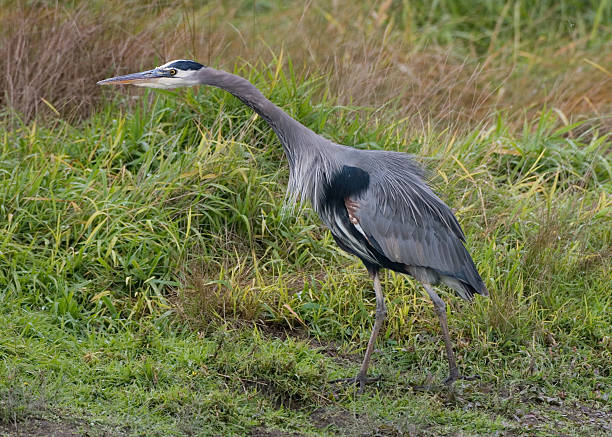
(381, 312)
(440, 308)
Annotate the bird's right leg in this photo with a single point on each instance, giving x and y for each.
(440, 308)
(381, 312)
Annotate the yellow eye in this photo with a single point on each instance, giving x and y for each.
(172, 72)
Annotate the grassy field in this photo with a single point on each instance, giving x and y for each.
(154, 282)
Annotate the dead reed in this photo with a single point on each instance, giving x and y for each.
(52, 57)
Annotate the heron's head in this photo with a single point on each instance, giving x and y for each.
(173, 74)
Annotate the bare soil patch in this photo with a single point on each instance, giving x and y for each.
(266, 432)
(34, 426)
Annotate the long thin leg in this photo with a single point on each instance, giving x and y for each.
(440, 308)
(381, 312)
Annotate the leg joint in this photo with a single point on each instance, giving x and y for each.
(440, 307)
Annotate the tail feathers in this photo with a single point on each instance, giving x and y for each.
(464, 289)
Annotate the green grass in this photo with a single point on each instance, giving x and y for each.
(154, 282)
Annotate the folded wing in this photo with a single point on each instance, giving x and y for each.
(404, 220)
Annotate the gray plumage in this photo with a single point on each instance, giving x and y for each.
(375, 203)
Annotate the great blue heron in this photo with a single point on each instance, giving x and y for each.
(375, 203)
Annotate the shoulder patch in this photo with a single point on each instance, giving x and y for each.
(348, 181)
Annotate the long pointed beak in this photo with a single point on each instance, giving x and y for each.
(134, 78)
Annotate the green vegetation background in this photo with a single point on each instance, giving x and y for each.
(154, 282)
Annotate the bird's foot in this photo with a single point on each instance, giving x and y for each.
(361, 379)
(454, 377)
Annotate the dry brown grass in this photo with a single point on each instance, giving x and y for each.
(53, 54)
(206, 302)
(56, 54)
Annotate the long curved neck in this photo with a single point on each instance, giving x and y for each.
(310, 162)
(292, 134)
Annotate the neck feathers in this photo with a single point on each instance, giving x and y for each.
(246, 92)
(307, 152)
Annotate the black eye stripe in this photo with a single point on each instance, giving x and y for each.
(185, 65)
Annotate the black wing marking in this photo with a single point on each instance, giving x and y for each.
(333, 210)
(413, 227)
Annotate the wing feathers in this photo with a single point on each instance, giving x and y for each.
(413, 227)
